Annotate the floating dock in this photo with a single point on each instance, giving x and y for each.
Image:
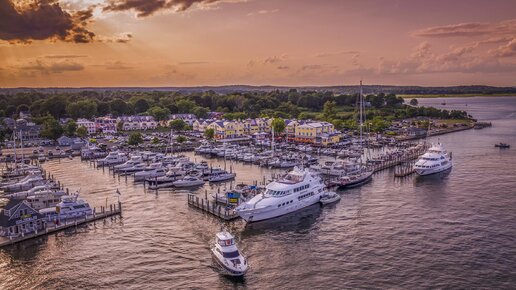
(113, 210)
(212, 208)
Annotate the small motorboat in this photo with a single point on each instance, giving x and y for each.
(225, 253)
(330, 197)
(502, 145)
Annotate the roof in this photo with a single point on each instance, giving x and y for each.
(13, 205)
(224, 235)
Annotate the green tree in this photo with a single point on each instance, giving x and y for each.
(135, 139)
(51, 128)
(120, 126)
(379, 124)
(55, 106)
(10, 110)
(209, 133)
(376, 101)
(22, 108)
(141, 105)
(185, 106)
(201, 112)
(413, 102)
(279, 125)
(180, 139)
(82, 109)
(329, 110)
(178, 125)
(118, 107)
(235, 116)
(69, 128)
(81, 132)
(155, 140)
(159, 113)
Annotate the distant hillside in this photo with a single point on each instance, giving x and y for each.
(368, 89)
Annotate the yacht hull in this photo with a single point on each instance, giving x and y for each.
(430, 171)
(260, 214)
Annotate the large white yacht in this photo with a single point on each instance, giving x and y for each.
(435, 160)
(297, 190)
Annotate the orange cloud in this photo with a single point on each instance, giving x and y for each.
(144, 8)
(43, 19)
(469, 29)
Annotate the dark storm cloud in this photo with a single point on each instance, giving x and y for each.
(145, 8)
(43, 19)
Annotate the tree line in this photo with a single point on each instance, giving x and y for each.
(339, 109)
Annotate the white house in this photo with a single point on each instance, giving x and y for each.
(106, 124)
(89, 125)
(138, 122)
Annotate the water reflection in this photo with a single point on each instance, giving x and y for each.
(298, 221)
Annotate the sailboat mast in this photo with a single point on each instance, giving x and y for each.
(361, 104)
(272, 142)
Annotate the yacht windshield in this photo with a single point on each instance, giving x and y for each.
(230, 255)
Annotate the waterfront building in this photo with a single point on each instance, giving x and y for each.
(138, 122)
(90, 126)
(18, 218)
(187, 118)
(322, 133)
(27, 130)
(201, 125)
(227, 129)
(24, 129)
(64, 141)
(106, 124)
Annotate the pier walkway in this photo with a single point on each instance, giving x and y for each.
(211, 207)
(411, 155)
(113, 210)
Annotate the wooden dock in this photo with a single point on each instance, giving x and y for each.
(211, 207)
(113, 210)
(399, 159)
(404, 169)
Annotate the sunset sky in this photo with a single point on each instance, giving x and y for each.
(70, 43)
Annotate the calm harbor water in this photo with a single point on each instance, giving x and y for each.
(456, 230)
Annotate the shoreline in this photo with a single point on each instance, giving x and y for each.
(431, 96)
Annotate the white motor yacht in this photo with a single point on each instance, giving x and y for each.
(295, 191)
(70, 207)
(188, 181)
(435, 160)
(135, 168)
(45, 199)
(227, 256)
(25, 183)
(151, 171)
(354, 179)
(221, 177)
(130, 163)
(112, 158)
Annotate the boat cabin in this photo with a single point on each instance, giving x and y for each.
(293, 177)
(225, 239)
(18, 218)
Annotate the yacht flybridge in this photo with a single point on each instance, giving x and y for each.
(435, 160)
(295, 191)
